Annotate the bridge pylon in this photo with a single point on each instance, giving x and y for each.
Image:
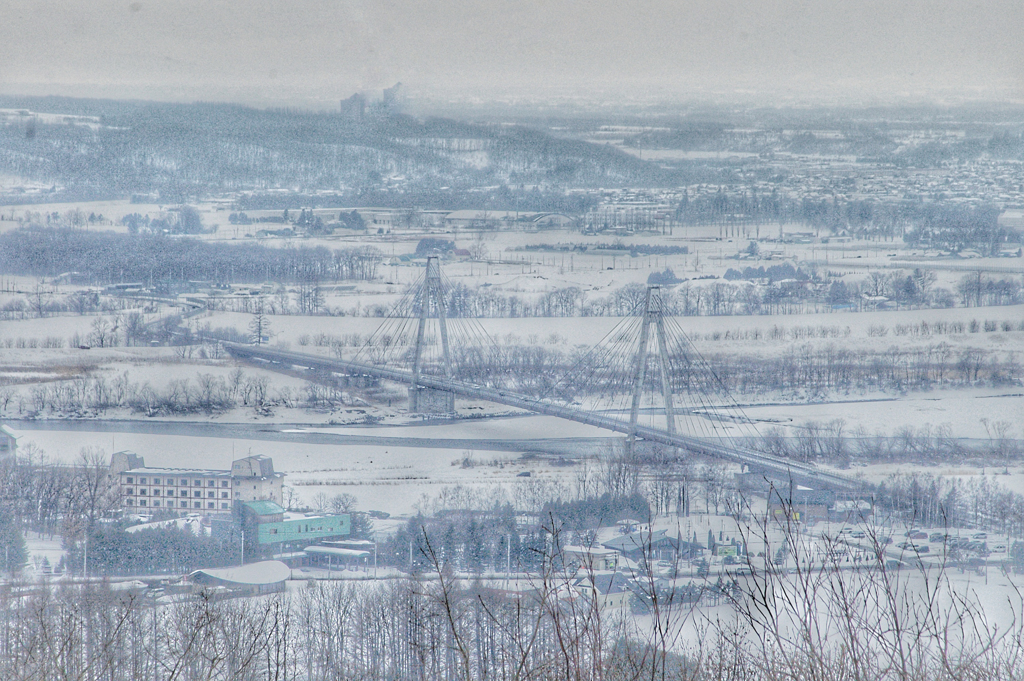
(421, 398)
(653, 315)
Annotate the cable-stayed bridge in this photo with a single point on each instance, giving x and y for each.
(643, 379)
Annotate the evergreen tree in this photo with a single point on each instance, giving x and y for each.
(12, 543)
(474, 548)
(362, 526)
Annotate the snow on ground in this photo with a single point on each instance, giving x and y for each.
(62, 327)
(1010, 477)
(400, 474)
(42, 546)
(112, 211)
(586, 331)
(536, 426)
(994, 597)
(961, 410)
(142, 364)
(192, 523)
(386, 478)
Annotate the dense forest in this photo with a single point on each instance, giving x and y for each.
(105, 257)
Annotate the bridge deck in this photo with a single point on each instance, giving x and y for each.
(779, 469)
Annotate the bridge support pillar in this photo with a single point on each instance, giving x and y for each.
(653, 315)
(430, 401)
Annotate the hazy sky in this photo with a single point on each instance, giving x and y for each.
(270, 50)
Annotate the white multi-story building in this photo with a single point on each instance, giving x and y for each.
(191, 490)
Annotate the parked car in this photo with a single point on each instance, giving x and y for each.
(911, 546)
(858, 534)
(979, 535)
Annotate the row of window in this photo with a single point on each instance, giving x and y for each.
(129, 479)
(184, 493)
(184, 504)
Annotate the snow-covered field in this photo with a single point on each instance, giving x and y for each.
(962, 410)
(852, 330)
(394, 478)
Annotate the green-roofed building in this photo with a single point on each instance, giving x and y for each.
(270, 529)
(265, 509)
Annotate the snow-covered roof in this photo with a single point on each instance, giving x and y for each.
(179, 472)
(191, 522)
(635, 541)
(588, 551)
(254, 574)
(334, 551)
(292, 515)
(264, 507)
(133, 585)
(350, 543)
(605, 582)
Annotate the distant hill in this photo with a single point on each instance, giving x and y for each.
(193, 149)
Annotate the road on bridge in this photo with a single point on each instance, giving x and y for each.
(312, 434)
(777, 469)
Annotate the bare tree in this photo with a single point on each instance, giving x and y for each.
(38, 300)
(343, 503)
(102, 332)
(259, 324)
(320, 502)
